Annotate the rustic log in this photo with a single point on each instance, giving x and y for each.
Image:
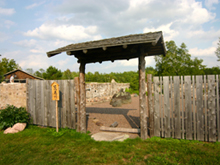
(82, 97)
(142, 96)
(129, 130)
(76, 81)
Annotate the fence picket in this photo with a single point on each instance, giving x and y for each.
(199, 108)
(183, 116)
(218, 117)
(194, 113)
(177, 107)
(211, 107)
(156, 107)
(166, 106)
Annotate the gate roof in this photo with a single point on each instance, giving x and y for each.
(119, 48)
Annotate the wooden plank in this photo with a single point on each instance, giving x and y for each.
(82, 98)
(27, 95)
(150, 105)
(60, 104)
(182, 116)
(205, 109)
(34, 102)
(128, 130)
(188, 107)
(218, 117)
(72, 105)
(64, 99)
(166, 106)
(68, 112)
(52, 108)
(142, 97)
(161, 117)
(177, 134)
(30, 93)
(156, 107)
(42, 103)
(47, 102)
(76, 82)
(199, 108)
(211, 106)
(172, 107)
(194, 113)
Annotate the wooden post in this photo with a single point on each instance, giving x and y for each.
(76, 81)
(150, 105)
(27, 95)
(56, 115)
(142, 96)
(82, 97)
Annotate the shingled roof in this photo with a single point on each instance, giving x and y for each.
(125, 47)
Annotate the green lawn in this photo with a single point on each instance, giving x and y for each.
(37, 145)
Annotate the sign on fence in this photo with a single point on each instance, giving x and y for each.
(55, 91)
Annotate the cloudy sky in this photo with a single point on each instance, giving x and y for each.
(30, 28)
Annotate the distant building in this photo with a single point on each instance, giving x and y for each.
(19, 76)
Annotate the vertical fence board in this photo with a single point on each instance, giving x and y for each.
(183, 117)
(172, 107)
(177, 107)
(199, 108)
(218, 117)
(188, 107)
(34, 102)
(194, 113)
(68, 112)
(166, 106)
(161, 107)
(150, 105)
(211, 107)
(72, 105)
(205, 109)
(156, 107)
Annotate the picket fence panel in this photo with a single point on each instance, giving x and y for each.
(187, 107)
(43, 109)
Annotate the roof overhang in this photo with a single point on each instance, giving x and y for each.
(119, 48)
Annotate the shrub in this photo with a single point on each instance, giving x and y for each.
(12, 115)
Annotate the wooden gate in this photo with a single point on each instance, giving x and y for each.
(186, 107)
(42, 108)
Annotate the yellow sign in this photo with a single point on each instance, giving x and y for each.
(55, 91)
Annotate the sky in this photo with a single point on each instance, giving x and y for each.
(30, 28)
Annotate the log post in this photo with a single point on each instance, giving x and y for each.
(82, 97)
(142, 95)
(150, 105)
(76, 82)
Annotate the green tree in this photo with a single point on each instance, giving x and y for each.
(217, 52)
(178, 62)
(67, 75)
(39, 73)
(7, 65)
(52, 73)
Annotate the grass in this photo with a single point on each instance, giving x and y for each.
(36, 145)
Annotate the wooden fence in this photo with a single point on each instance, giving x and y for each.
(42, 108)
(186, 108)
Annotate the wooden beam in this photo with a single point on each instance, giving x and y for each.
(82, 87)
(128, 130)
(142, 95)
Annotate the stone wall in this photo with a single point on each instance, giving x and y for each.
(100, 92)
(13, 94)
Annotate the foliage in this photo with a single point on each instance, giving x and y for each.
(52, 73)
(37, 145)
(7, 65)
(213, 70)
(217, 52)
(178, 62)
(39, 73)
(12, 115)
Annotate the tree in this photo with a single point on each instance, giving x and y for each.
(52, 73)
(67, 75)
(178, 62)
(217, 52)
(39, 73)
(29, 70)
(7, 65)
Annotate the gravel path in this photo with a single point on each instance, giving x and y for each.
(127, 115)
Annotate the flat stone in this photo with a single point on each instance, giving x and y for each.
(109, 136)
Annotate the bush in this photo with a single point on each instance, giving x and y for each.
(12, 115)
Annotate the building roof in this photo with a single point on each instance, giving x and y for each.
(13, 71)
(119, 48)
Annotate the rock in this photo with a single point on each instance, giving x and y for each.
(19, 126)
(10, 130)
(97, 122)
(115, 124)
(120, 98)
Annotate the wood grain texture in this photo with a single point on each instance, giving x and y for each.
(177, 107)
(150, 105)
(166, 106)
(156, 107)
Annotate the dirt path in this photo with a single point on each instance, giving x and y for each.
(127, 115)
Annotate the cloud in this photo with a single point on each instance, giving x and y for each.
(203, 52)
(34, 5)
(65, 32)
(3, 37)
(6, 11)
(209, 4)
(9, 23)
(168, 32)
